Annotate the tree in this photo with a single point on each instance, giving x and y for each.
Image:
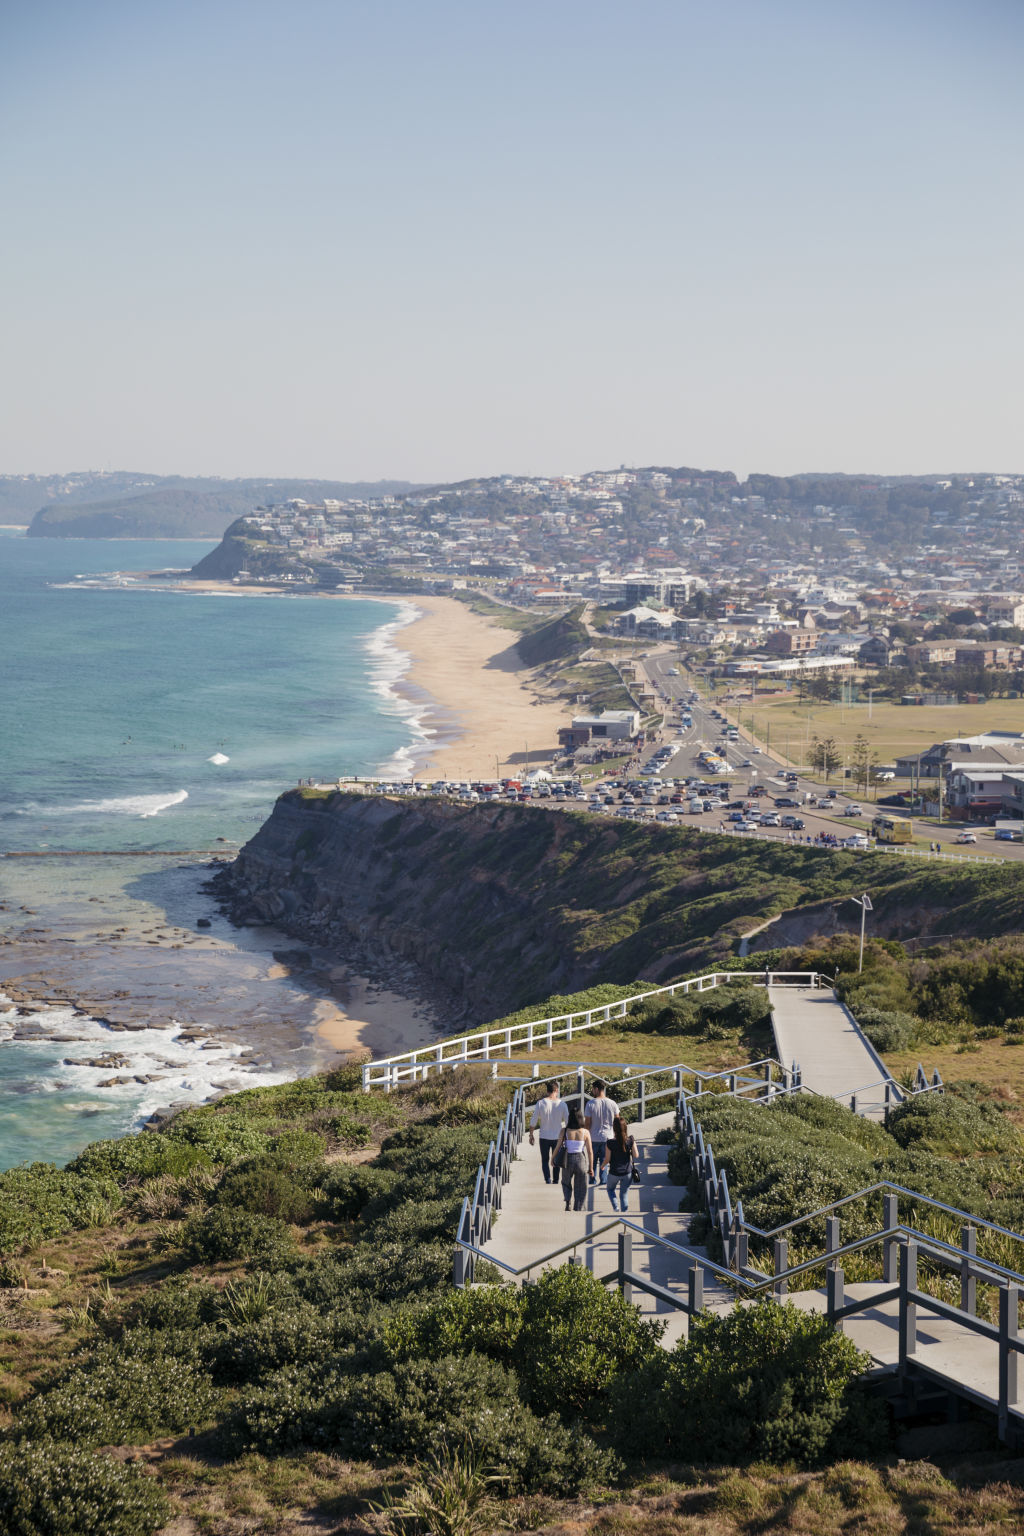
(863, 758)
(825, 756)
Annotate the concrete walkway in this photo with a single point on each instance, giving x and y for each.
(821, 1034)
(533, 1221)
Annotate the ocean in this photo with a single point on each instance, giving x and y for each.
(141, 718)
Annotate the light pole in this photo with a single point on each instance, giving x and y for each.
(864, 902)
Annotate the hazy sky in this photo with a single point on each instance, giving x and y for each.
(435, 238)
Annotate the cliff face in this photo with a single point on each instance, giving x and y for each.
(496, 908)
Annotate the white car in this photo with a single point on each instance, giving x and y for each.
(858, 840)
(769, 819)
(966, 837)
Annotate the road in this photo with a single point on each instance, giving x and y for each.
(752, 765)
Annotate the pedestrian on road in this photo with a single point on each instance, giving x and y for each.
(578, 1161)
(620, 1155)
(550, 1115)
(600, 1113)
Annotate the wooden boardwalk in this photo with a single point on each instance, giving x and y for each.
(814, 1029)
(533, 1222)
(532, 1231)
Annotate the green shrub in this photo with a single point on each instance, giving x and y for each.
(130, 1159)
(58, 1490)
(39, 1201)
(888, 1030)
(224, 1137)
(414, 1409)
(296, 1149)
(263, 1187)
(347, 1189)
(951, 1124)
(576, 1334)
(119, 1398)
(764, 1382)
(223, 1233)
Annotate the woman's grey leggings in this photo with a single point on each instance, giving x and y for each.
(575, 1179)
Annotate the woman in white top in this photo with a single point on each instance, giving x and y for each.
(578, 1162)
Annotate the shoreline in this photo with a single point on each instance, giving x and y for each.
(469, 699)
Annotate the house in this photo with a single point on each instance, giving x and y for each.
(610, 725)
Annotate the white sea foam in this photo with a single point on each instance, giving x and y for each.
(182, 1069)
(389, 665)
(218, 758)
(127, 805)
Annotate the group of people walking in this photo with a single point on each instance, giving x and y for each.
(580, 1148)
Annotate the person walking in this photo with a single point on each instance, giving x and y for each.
(549, 1117)
(600, 1112)
(578, 1161)
(620, 1155)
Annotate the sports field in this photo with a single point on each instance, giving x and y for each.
(789, 725)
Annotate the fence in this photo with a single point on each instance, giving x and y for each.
(413, 1066)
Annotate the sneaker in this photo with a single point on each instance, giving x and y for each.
(567, 1205)
(615, 1207)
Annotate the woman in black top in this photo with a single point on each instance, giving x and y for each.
(619, 1156)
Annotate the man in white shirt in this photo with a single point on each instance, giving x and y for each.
(600, 1111)
(549, 1116)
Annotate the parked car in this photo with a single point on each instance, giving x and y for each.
(794, 823)
(785, 800)
(770, 819)
(858, 840)
(1007, 835)
(966, 837)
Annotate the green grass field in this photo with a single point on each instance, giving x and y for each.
(788, 725)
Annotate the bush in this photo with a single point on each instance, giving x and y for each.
(765, 1382)
(576, 1334)
(223, 1234)
(57, 1490)
(39, 1201)
(119, 1398)
(347, 1189)
(953, 1125)
(134, 1158)
(414, 1409)
(888, 1030)
(263, 1187)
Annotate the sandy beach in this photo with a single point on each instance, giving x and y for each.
(485, 703)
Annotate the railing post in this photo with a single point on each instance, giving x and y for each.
(1008, 1313)
(888, 1104)
(695, 1289)
(968, 1283)
(834, 1295)
(641, 1108)
(831, 1236)
(625, 1264)
(366, 1078)
(742, 1243)
(581, 1087)
(890, 1248)
(780, 1263)
(908, 1308)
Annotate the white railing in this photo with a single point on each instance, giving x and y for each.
(412, 1066)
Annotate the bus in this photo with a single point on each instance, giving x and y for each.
(892, 829)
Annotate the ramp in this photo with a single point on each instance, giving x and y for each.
(836, 1059)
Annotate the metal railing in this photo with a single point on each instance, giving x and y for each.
(484, 1045)
(477, 1215)
(902, 1246)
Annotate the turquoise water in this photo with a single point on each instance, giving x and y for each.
(114, 701)
(115, 698)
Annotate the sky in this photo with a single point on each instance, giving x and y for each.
(430, 239)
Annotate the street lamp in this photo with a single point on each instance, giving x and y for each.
(864, 902)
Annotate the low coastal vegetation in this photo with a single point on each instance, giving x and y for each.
(246, 1322)
(562, 902)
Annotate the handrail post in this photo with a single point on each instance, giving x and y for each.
(695, 1290)
(581, 1087)
(908, 1308)
(890, 1248)
(625, 1264)
(742, 1242)
(888, 1104)
(834, 1294)
(780, 1263)
(1008, 1314)
(968, 1283)
(641, 1108)
(831, 1237)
